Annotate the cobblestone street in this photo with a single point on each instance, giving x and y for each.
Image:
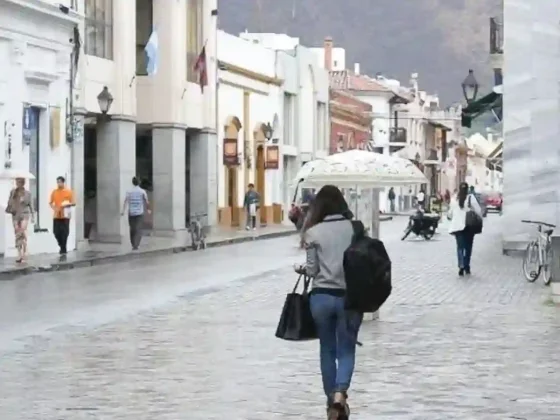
(192, 337)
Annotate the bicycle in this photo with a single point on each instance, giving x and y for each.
(539, 251)
(198, 231)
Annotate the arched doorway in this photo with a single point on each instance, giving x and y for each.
(260, 169)
(231, 182)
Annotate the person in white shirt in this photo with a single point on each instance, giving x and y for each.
(421, 198)
(464, 235)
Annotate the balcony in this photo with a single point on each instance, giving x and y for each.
(397, 139)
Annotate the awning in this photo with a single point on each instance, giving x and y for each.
(490, 102)
(497, 152)
(494, 159)
(437, 124)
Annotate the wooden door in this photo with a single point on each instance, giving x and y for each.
(260, 182)
(232, 195)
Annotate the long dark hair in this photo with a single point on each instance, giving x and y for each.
(463, 194)
(329, 201)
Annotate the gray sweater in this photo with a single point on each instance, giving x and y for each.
(326, 243)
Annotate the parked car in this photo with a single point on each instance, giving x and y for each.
(494, 201)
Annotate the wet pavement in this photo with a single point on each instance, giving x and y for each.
(95, 253)
(191, 336)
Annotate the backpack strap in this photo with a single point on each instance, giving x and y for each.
(337, 219)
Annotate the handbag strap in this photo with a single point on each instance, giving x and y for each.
(306, 281)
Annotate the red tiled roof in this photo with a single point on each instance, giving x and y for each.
(346, 80)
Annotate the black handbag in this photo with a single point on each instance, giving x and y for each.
(473, 221)
(296, 322)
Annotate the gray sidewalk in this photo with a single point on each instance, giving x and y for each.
(152, 246)
(98, 253)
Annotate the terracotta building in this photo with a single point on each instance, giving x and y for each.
(350, 122)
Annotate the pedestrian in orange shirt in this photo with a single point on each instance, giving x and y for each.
(62, 201)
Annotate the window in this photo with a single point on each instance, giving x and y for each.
(288, 137)
(144, 25)
(194, 36)
(99, 28)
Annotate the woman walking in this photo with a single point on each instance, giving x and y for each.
(329, 233)
(20, 206)
(464, 234)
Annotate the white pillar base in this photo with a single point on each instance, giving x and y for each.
(555, 290)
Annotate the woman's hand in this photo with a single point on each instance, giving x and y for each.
(299, 268)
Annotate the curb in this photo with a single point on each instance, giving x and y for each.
(516, 253)
(12, 274)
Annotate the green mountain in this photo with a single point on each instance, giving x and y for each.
(439, 39)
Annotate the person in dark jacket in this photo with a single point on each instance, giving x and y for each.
(251, 205)
(391, 196)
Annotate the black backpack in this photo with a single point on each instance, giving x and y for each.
(367, 270)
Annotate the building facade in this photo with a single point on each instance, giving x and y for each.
(34, 92)
(303, 123)
(350, 121)
(249, 111)
(531, 105)
(161, 124)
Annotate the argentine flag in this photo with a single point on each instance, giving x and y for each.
(152, 52)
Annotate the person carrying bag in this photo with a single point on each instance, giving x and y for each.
(465, 217)
(327, 236)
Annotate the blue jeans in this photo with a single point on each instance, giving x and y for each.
(338, 334)
(464, 248)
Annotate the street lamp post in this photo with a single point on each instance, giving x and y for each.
(470, 87)
(105, 100)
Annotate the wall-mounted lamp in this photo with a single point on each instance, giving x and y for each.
(105, 100)
(268, 131)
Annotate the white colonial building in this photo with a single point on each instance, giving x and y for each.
(35, 57)
(159, 126)
(273, 117)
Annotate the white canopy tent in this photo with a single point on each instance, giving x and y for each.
(360, 174)
(359, 168)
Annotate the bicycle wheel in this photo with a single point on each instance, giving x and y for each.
(547, 264)
(531, 266)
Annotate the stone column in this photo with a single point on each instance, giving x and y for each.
(116, 165)
(169, 159)
(519, 91)
(77, 175)
(555, 283)
(375, 233)
(203, 175)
